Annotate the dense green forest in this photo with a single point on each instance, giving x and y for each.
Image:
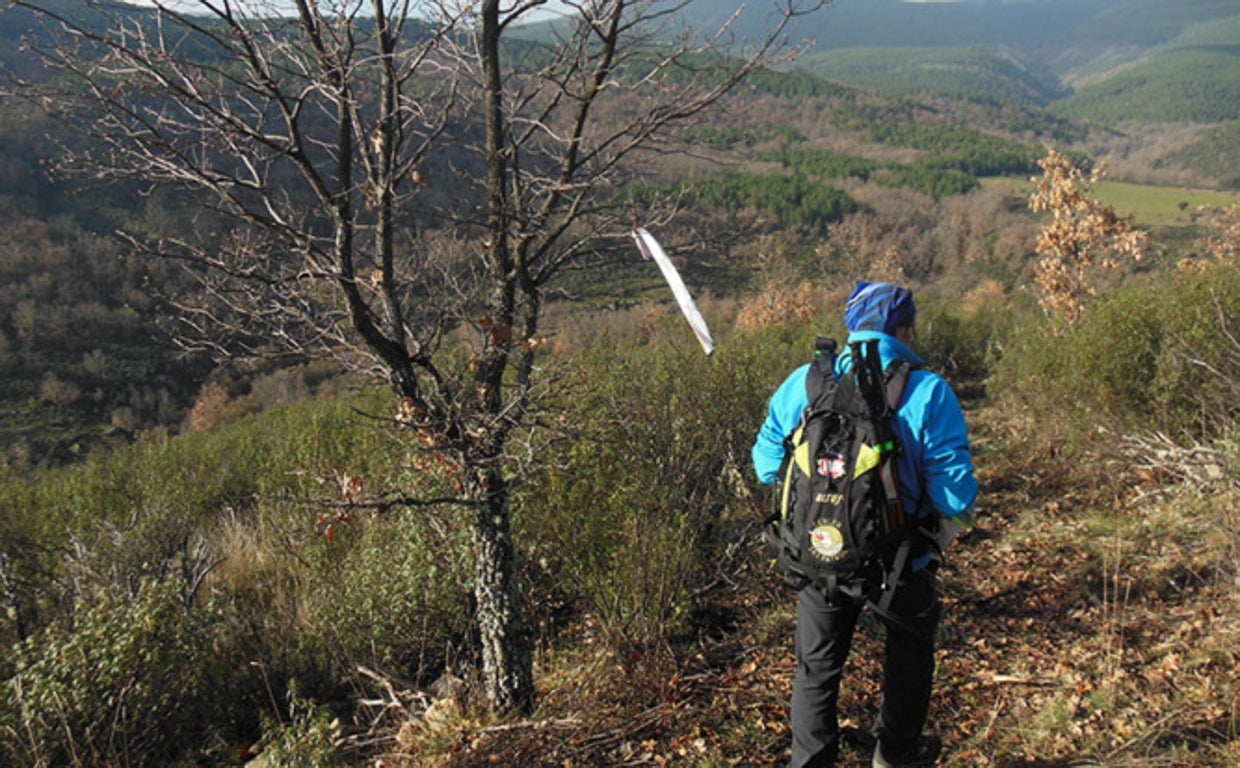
(189, 574)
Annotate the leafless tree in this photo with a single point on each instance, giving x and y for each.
(386, 174)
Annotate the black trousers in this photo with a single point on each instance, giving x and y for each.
(823, 638)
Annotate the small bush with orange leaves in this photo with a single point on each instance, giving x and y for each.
(1220, 244)
(778, 304)
(1082, 236)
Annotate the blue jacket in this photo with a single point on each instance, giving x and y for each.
(929, 423)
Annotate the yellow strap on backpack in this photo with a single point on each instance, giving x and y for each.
(867, 459)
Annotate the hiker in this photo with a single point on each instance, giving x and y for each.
(937, 484)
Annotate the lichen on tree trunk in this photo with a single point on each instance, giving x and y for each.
(507, 674)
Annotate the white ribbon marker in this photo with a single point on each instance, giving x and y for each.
(651, 249)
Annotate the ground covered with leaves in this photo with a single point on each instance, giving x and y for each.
(1092, 619)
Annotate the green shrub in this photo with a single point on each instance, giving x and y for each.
(132, 511)
(1195, 386)
(639, 509)
(152, 514)
(1158, 356)
(960, 344)
(605, 521)
(391, 593)
(131, 680)
(306, 738)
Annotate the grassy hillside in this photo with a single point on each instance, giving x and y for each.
(292, 576)
(1161, 206)
(219, 580)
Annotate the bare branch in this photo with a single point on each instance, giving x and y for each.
(367, 185)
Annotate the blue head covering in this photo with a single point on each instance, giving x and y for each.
(879, 307)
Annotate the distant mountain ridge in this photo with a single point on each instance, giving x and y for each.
(1027, 51)
(1058, 33)
(1104, 60)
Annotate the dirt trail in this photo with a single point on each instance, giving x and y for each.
(1055, 651)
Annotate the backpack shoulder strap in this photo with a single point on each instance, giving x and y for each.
(896, 380)
(821, 369)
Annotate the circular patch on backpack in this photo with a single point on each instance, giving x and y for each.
(827, 540)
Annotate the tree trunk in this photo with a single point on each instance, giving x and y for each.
(507, 655)
(507, 663)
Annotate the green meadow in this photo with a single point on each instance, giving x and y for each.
(1160, 206)
(1148, 205)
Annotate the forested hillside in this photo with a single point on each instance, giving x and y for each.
(1129, 59)
(796, 167)
(83, 362)
(1189, 76)
(270, 560)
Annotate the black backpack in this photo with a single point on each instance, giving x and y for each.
(838, 521)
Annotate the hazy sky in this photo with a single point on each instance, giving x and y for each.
(271, 6)
(286, 4)
(190, 4)
(286, 7)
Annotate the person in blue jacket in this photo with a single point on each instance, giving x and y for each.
(938, 481)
